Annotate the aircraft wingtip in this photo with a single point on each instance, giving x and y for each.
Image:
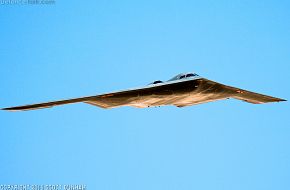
(8, 109)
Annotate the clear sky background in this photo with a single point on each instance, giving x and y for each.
(80, 48)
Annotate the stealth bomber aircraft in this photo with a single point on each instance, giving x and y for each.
(185, 89)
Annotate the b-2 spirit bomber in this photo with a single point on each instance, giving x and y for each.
(185, 89)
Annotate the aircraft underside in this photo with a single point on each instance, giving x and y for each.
(185, 94)
(179, 93)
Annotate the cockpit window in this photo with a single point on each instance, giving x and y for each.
(182, 76)
(190, 75)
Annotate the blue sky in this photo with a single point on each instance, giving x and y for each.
(76, 48)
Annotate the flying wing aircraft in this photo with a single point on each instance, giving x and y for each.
(185, 89)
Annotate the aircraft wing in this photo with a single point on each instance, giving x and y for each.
(46, 104)
(245, 95)
(103, 100)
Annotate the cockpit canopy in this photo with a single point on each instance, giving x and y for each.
(183, 76)
(177, 77)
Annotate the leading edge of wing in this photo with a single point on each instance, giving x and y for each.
(46, 104)
(248, 96)
(87, 99)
